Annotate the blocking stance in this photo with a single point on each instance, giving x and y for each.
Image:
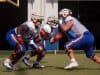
(46, 32)
(78, 35)
(19, 38)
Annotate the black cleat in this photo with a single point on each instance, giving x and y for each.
(37, 65)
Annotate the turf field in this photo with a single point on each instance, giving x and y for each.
(54, 65)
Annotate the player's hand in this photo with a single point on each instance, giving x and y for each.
(52, 40)
(56, 37)
(40, 48)
(19, 39)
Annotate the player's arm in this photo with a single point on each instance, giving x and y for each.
(18, 36)
(56, 37)
(67, 26)
(64, 28)
(37, 39)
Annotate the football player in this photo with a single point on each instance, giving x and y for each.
(78, 35)
(46, 32)
(19, 38)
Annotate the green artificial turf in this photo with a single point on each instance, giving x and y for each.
(53, 65)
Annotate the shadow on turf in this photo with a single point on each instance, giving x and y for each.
(21, 69)
(55, 67)
(79, 68)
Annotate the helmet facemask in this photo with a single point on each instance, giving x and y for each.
(65, 12)
(53, 22)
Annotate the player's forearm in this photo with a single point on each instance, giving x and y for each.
(19, 39)
(67, 26)
(56, 37)
(37, 39)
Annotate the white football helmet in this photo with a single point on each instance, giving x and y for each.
(52, 21)
(46, 28)
(35, 16)
(65, 11)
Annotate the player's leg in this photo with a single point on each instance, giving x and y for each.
(40, 56)
(69, 46)
(96, 59)
(89, 48)
(27, 57)
(40, 52)
(89, 51)
(17, 53)
(36, 64)
(33, 52)
(73, 63)
(10, 61)
(90, 54)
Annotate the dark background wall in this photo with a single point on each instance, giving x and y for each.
(10, 17)
(88, 12)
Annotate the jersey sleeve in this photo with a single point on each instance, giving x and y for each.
(69, 18)
(30, 25)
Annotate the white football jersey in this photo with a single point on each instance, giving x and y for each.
(77, 28)
(30, 31)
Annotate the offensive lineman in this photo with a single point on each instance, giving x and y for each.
(19, 38)
(50, 27)
(78, 36)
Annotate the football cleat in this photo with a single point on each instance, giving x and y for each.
(72, 65)
(7, 64)
(26, 61)
(37, 65)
